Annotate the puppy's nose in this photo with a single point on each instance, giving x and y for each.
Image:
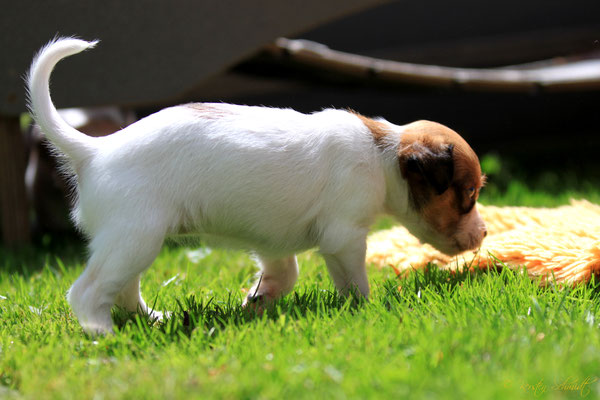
(484, 232)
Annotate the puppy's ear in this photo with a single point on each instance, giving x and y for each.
(433, 167)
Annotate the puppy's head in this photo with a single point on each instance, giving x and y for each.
(444, 179)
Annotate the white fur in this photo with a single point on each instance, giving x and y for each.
(269, 180)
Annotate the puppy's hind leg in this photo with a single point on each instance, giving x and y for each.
(119, 253)
(277, 278)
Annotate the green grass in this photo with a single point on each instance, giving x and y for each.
(478, 335)
(519, 182)
(481, 335)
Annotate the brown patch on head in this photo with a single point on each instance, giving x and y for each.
(377, 128)
(443, 174)
(208, 110)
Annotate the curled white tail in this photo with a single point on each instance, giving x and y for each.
(74, 144)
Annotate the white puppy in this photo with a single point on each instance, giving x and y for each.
(273, 181)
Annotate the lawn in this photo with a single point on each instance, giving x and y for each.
(494, 334)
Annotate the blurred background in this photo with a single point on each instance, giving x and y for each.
(521, 81)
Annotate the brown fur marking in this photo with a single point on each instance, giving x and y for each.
(378, 129)
(444, 211)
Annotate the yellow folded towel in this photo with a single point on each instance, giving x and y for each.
(562, 241)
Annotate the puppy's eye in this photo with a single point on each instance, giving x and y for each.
(471, 191)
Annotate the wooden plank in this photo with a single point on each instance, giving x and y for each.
(13, 201)
(554, 75)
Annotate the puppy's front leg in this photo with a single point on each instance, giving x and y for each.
(347, 267)
(276, 279)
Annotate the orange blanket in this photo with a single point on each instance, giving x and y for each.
(563, 242)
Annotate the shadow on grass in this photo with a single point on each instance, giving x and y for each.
(208, 317)
(194, 316)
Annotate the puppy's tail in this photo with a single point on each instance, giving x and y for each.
(73, 143)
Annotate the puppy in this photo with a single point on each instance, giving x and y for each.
(272, 181)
